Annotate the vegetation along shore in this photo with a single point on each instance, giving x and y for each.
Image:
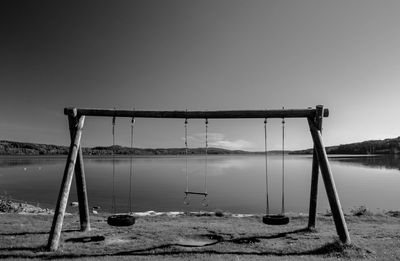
(386, 146)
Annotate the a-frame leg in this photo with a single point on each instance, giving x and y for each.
(312, 214)
(312, 211)
(80, 180)
(55, 232)
(330, 187)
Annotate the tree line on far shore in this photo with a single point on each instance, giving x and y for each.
(23, 148)
(386, 146)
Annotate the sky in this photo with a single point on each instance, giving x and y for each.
(200, 55)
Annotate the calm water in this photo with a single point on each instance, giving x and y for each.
(234, 183)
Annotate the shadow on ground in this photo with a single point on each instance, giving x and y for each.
(334, 248)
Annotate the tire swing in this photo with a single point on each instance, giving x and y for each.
(275, 219)
(186, 199)
(126, 219)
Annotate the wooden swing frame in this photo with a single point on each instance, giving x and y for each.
(74, 163)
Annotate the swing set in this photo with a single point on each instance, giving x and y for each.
(204, 193)
(75, 165)
(121, 220)
(275, 219)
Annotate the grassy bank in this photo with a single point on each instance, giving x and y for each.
(202, 237)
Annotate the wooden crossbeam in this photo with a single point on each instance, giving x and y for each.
(239, 114)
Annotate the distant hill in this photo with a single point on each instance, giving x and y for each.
(23, 148)
(386, 146)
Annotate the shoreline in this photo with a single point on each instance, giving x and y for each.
(9, 206)
(193, 237)
(217, 235)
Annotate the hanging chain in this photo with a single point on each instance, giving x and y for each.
(283, 166)
(266, 167)
(131, 166)
(113, 166)
(206, 158)
(186, 199)
(204, 202)
(186, 154)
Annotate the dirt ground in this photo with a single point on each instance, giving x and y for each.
(201, 237)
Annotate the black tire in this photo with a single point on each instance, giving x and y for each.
(275, 219)
(121, 220)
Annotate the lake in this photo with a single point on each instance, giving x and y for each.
(234, 183)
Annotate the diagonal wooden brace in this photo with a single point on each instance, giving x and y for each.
(80, 180)
(55, 232)
(312, 213)
(330, 187)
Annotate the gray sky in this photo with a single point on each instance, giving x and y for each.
(200, 55)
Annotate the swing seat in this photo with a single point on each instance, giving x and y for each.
(278, 219)
(121, 220)
(196, 193)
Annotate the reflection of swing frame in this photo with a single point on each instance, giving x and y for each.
(74, 162)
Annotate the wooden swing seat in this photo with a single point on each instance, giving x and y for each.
(121, 220)
(196, 193)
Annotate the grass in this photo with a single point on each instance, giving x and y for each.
(191, 237)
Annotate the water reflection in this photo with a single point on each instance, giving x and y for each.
(27, 161)
(234, 183)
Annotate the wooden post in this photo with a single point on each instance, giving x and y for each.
(330, 187)
(55, 232)
(80, 180)
(312, 214)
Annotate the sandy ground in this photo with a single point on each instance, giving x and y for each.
(202, 237)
